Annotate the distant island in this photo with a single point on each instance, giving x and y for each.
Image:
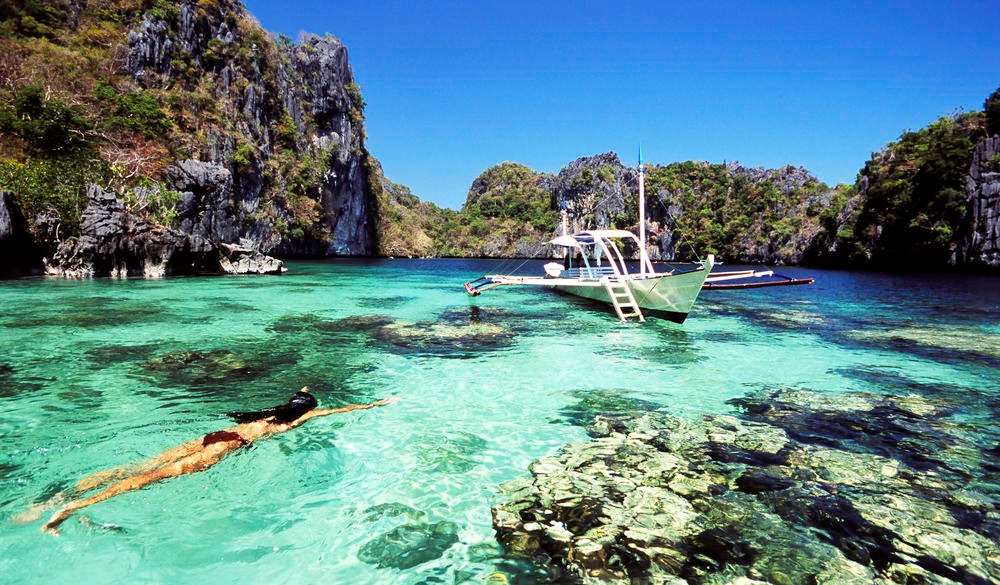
(177, 137)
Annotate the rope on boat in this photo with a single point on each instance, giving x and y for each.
(677, 222)
(484, 283)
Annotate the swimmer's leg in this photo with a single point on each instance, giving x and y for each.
(193, 463)
(110, 475)
(126, 485)
(96, 480)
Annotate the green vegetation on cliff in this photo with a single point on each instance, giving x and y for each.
(737, 213)
(63, 123)
(505, 205)
(740, 214)
(113, 92)
(406, 226)
(914, 194)
(509, 192)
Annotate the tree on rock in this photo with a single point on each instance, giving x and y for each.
(992, 110)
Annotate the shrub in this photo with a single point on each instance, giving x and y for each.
(354, 94)
(244, 154)
(46, 125)
(992, 111)
(154, 202)
(134, 110)
(59, 182)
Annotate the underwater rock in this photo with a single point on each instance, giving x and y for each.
(440, 339)
(7, 386)
(409, 545)
(946, 343)
(611, 402)
(313, 323)
(196, 368)
(802, 487)
(12, 385)
(424, 338)
(106, 355)
(392, 510)
(380, 302)
(449, 451)
(295, 323)
(357, 323)
(94, 312)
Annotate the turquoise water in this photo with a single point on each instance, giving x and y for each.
(96, 374)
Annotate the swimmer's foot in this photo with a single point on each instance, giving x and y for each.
(33, 513)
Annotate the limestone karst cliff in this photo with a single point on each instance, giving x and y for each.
(981, 238)
(230, 135)
(693, 208)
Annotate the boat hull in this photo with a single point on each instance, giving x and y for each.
(667, 296)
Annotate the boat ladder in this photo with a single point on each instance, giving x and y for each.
(622, 299)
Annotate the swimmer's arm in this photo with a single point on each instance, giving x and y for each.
(348, 408)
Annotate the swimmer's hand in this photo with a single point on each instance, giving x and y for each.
(348, 408)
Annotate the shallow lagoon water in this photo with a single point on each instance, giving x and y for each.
(96, 374)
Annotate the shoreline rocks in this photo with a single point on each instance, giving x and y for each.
(116, 243)
(801, 487)
(235, 259)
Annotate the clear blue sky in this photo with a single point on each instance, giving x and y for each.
(456, 87)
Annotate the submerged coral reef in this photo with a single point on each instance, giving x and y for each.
(801, 487)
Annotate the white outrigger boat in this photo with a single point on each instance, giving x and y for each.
(601, 273)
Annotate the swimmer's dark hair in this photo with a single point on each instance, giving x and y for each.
(300, 403)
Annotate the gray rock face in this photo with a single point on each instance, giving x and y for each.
(115, 243)
(595, 190)
(310, 83)
(981, 244)
(18, 253)
(149, 47)
(347, 213)
(206, 210)
(332, 96)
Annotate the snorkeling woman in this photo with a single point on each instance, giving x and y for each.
(191, 457)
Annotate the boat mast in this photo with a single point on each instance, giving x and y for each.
(642, 217)
(565, 217)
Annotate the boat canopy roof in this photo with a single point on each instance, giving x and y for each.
(588, 238)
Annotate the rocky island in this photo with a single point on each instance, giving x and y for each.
(196, 142)
(217, 138)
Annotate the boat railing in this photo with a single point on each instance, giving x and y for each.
(591, 272)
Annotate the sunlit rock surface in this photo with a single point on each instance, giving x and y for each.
(802, 487)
